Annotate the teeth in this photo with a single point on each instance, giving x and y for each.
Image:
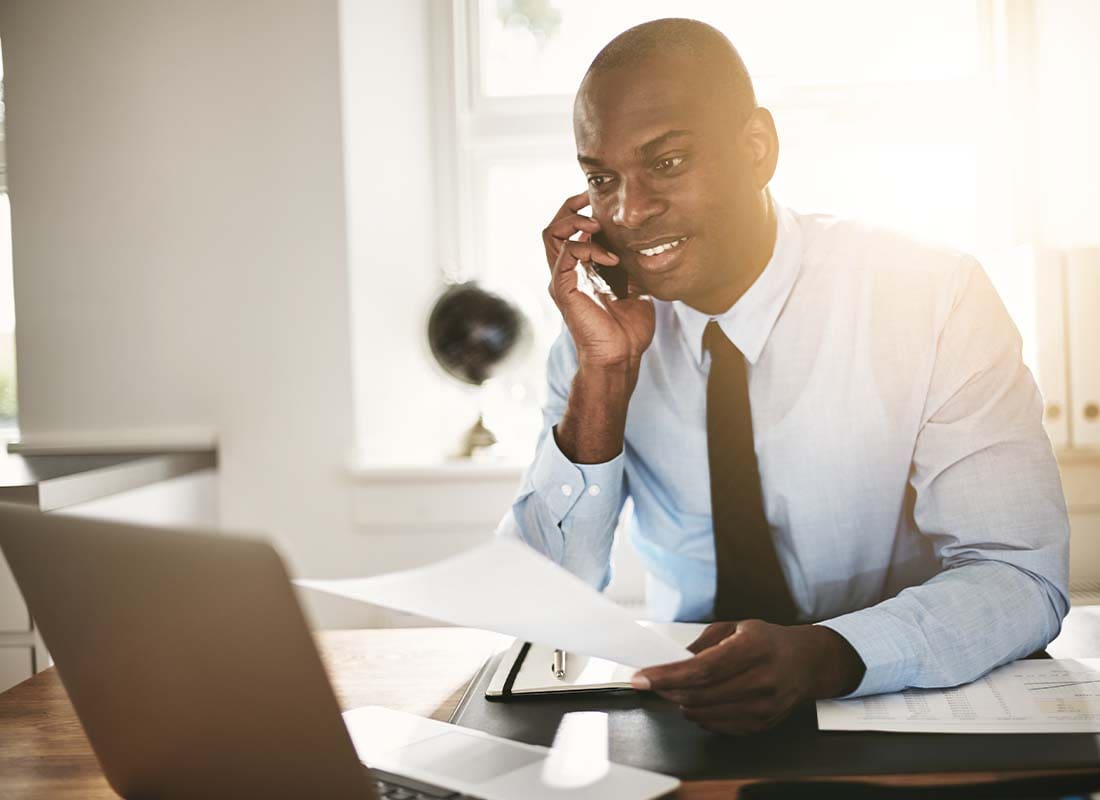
(652, 251)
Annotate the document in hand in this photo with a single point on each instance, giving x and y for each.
(1031, 696)
(507, 587)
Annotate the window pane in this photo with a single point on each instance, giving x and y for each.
(912, 156)
(523, 195)
(540, 47)
(7, 321)
(890, 169)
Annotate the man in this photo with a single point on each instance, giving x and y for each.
(832, 445)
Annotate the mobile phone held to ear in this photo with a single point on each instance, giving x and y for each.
(615, 277)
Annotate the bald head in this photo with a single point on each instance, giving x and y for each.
(702, 53)
(676, 152)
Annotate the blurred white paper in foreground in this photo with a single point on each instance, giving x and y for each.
(507, 587)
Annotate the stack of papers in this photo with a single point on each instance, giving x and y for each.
(1033, 696)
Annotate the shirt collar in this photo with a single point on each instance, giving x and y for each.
(750, 320)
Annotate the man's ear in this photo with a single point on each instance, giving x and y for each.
(762, 141)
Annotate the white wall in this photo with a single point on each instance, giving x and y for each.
(386, 59)
(180, 241)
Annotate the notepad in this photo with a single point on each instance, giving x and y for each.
(526, 669)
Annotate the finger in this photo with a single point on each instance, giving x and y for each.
(553, 247)
(563, 276)
(564, 264)
(574, 302)
(565, 283)
(712, 635)
(569, 208)
(590, 251)
(615, 307)
(599, 284)
(573, 204)
(713, 665)
(564, 228)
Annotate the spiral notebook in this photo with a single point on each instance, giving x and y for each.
(528, 670)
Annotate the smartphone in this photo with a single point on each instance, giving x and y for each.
(615, 277)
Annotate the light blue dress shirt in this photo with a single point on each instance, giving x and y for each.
(912, 494)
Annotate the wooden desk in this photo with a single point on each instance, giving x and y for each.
(44, 754)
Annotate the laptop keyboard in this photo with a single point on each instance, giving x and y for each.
(397, 787)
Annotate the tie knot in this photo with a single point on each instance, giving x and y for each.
(717, 343)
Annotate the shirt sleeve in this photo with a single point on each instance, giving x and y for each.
(564, 510)
(986, 493)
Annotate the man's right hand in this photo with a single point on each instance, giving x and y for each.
(610, 336)
(609, 333)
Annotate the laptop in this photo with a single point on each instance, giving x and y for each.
(193, 672)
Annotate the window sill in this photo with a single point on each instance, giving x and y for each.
(454, 497)
(456, 471)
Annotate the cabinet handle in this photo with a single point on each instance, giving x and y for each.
(1054, 411)
(1092, 411)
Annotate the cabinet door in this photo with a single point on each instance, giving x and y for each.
(1050, 320)
(15, 666)
(1083, 292)
(13, 611)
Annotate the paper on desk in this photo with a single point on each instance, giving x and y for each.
(507, 587)
(1033, 696)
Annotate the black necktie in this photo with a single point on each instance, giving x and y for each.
(750, 582)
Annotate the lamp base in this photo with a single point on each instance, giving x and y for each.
(477, 438)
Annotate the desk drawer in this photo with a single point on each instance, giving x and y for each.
(15, 666)
(13, 611)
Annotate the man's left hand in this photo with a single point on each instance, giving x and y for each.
(747, 676)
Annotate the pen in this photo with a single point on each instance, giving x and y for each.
(558, 667)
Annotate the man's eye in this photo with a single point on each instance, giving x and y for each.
(596, 181)
(669, 163)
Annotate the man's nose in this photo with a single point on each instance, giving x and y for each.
(638, 203)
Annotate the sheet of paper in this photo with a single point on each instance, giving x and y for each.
(507, 587)
(1033, 696)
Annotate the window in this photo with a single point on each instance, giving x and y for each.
(892, 112)
(7, 304)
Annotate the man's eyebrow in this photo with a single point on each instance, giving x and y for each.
(656, 143)
(643, 149)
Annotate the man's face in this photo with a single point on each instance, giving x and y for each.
(669, 179)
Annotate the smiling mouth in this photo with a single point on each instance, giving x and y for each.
(662, 256)
(656, 250)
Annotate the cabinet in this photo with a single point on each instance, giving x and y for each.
(1082, 302)
(16, 665)
(14, 617)
(178, 491)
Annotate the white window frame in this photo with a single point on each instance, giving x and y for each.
(474, 130)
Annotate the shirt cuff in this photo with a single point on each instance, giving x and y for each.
(873, 633)
(582, 489)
